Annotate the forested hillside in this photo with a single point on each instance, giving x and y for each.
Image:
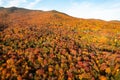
(40, 45)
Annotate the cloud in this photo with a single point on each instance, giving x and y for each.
(32, 4)
(15, 3)
(106, 11)
(11, 3)
(1, 2)
(19, 3)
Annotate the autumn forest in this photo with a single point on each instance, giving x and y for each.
(51, 45)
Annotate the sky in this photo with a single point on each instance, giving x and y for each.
(97, 9)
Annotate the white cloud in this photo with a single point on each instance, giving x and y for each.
(11, 3)
(43, 8)
(32, 4)
(1, 2)
(18, 3)
(106, 11)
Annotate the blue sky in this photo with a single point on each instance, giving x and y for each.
(98, 9)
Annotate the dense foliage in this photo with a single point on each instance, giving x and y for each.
(55, 46)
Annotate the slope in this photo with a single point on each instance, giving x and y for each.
(52, 45)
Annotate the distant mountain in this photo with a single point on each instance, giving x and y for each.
(21, 16)
(24, 17)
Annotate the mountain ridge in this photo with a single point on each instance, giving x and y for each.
(54, 11)
(26, 17)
